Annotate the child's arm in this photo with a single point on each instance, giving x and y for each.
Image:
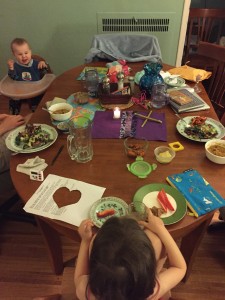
(11, 71)
(82, 266)
(42, 65)
(177, 269)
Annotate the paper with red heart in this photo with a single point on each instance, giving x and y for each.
(64, 199)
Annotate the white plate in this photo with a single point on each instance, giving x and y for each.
(119, 206)
(219, 127)
(11, 145)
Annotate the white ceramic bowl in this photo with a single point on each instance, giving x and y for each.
(61, 111)
(211, 151)
(164, 154)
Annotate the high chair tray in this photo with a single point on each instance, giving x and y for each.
(25, 90)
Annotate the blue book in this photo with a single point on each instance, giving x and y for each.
(201, 197)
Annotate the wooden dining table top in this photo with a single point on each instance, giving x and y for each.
(108, 168)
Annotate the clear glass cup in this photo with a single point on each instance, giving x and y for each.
(137, 211)
(197, 88)
(79, 141)
(92, 82)
(159, 96)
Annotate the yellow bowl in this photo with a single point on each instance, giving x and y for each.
(214, 149)
(164, 154)
(60, 111)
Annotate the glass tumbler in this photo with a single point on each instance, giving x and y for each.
(91, 82)
(159, 96)
(138, 211)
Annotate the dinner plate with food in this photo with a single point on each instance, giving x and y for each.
(107, 207)
(31, 138)
(200, 129)
(164, 201)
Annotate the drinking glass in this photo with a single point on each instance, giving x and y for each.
(79, 142)
(197, 89)
(138, 211)
(159, 96)
(91, 82)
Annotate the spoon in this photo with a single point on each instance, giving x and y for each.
(187, 125)
(48, 110)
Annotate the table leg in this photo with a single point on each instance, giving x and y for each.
(190, 243)
(53, 243)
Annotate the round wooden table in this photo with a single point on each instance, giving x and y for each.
(108, 169)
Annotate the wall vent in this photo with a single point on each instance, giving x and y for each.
(134, 25)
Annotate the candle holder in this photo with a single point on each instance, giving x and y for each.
(116, 113)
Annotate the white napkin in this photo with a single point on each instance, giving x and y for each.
(37, 164)
(54, 101)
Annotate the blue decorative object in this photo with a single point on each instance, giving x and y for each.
(150, 77)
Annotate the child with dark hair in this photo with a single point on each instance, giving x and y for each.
(125, 262)
(24, 69)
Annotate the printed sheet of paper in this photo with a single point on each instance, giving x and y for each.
(43, 204)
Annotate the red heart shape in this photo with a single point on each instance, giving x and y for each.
(63, 196)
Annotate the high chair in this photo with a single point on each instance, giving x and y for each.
(20, 90)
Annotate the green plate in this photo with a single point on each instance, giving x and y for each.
(102, 204)
(169, 81)
(148, 195)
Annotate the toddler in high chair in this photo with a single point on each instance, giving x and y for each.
(24, 68)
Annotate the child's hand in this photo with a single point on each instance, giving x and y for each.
(10, 64)
(85, 230)
(42, 64)
(154, 223)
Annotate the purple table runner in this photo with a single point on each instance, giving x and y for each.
(105, 127)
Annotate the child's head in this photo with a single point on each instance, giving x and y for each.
(21, 50)
(122, 262)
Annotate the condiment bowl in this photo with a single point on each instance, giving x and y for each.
(215, 151)
(60, 111)
(164, 154)
(135, 147)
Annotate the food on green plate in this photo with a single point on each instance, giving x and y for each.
(200, 129)
(164, 201)
(105, 213)
(157, 211)
(33, 136)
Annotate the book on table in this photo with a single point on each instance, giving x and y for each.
(201, 197)
(181, 100)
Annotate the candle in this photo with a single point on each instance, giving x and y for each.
(116, 113)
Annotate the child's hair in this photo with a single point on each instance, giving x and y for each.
(122, 262)
(18, 42)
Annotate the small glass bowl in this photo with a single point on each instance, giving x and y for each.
(134, 147)
(164, 154)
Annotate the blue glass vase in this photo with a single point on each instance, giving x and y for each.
(150, 77)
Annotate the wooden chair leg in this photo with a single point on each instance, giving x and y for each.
(53, 244)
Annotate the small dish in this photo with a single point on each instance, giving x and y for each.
(135, 147)
(164, 154)
(60, 111)
(63, 126)
(174, 81)
(107, 204)
(215, 151)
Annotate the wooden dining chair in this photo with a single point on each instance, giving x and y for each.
(216, 88)
(206, 25)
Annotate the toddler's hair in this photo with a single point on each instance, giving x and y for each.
(122, 262)
(18, 42)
